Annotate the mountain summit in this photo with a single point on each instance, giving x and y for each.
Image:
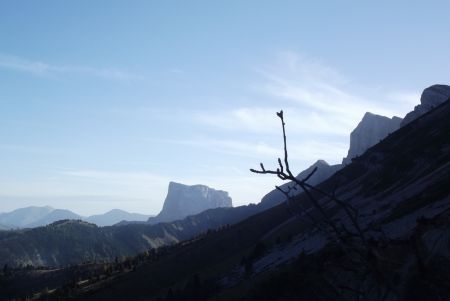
(183, 200)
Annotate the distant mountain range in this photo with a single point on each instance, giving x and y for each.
(31, 217)
(181, 201)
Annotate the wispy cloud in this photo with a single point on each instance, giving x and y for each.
(43, 69)
(263, 120)
(322, 107)
(320, 88)
(318, 99)
(305, 151)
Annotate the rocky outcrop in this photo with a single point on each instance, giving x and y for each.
(370, 130)
(324, 171)
(431, 97)
(183, 200)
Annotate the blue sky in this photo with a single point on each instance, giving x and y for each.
(102, 103)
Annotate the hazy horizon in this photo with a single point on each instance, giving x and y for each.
(104, 103)
(74, 210)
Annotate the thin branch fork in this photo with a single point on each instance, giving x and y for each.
(284, 173)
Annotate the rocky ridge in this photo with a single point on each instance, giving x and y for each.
(430, 98)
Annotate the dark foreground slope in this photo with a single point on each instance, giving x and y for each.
(400, 187)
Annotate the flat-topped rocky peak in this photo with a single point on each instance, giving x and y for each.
(370, 118)
(184, 200)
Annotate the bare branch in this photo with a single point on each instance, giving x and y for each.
(284, 173)
(286, 162)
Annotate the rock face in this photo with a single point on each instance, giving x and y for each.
(370, 130)
(324, 171)
(431, 97)
(183, 200)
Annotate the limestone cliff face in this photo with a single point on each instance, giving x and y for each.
(183, 200)
(370, 130)
(431, 97)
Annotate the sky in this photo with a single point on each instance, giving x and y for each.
(103, 103)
